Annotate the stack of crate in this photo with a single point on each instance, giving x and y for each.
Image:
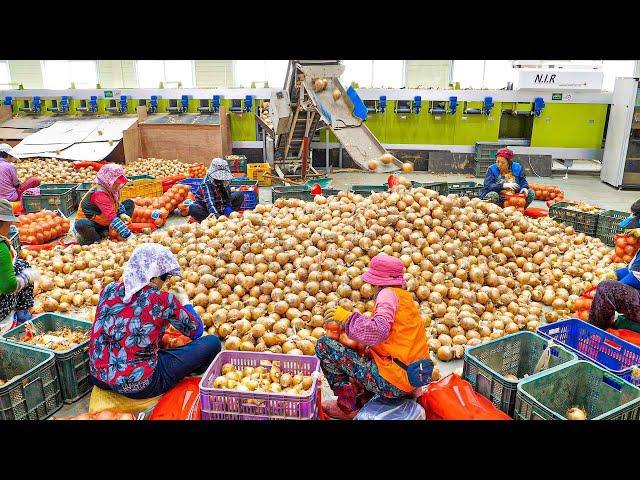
(485, 155)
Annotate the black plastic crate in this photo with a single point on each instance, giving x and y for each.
(583, 222)
(608, 225)
(32, 391)
(465, 189)
(72, 364)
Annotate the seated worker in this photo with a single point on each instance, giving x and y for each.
(131, 317)
(214, 197)
(16, 276)
(505, 176)
(394, 335)
(101, 207)
(622, 294)
(10, 187)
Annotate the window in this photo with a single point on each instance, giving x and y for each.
(616, 68)
(469, 73)
(5, 77)
(374, 73)
(359, 71)
(245, 72)
(59, 74)
(497, 73)
(152, 72)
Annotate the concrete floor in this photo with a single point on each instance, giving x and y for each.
(576, 187)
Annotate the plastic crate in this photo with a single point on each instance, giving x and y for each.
(250, 200)
(581, 384)
(441, 187)
(35, 393)
(465, 189)
(72, 364)
(258, 171)
(608, 225)
(133, 178)
(367, 190)
(142, 188)
(485, 365)
(81, 190)
(193, 183)
(64, 186)
(51, 198)
(582, 222)
(328, 192)
(224, 404)
(481, 166)
(237, 163)
(294, 191)
(591, 343)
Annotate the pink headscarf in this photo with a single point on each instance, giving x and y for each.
(107, 177)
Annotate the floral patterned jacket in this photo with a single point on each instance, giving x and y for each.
(125, 337)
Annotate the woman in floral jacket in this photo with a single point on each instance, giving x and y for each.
(130, 320)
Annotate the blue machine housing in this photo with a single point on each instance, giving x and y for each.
(64, 104)
(184, 104)
(383, 103)
(453, 105)
(8, 101)
(36, 106)
(538, 106)
(488, 105)
(153, 104)
(216, 104)
(93, 103)
(417, 103)
(248, 103)
(123, 104)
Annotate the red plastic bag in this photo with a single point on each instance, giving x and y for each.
(535, 212)
(627, 335)
(453, 398)
(182, 402)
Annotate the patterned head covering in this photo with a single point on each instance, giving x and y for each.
(108, 175)
(147, 261)
(505, 153)
(219, 170)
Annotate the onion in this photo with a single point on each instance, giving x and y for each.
(575, 413)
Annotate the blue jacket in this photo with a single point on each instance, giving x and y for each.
(494, 179)
(630, 275)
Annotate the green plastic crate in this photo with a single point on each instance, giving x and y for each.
(481, 166)
(602, 395)
(293, 191)
(140, 177)
(35, 393)
(51, 198)
(465, 189)
(72, 364)
(64, 186)
(608, 225)
(441, 187)
(485, 365)
(15, 242)
(367, 190)
(328, 192)
(582, 222)
(81, 191)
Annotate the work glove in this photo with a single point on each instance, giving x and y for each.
(511, 186)
(338, 315)
(119, 226)
(28, 276)
(125, 218)
(525, 191)
(181, 295)
(227, 210)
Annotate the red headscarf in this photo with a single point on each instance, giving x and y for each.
(505, 153)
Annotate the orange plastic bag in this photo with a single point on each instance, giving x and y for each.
(182, 402)
(453, 398)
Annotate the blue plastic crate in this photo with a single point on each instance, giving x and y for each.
(591, 343)
(193, 183)
(250, 200)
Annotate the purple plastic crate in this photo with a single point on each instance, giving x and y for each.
(225, 404)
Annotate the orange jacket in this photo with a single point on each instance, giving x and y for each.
(88, 209)
(406, 342)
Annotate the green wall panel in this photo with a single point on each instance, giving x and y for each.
(243, 125)
(569, 126)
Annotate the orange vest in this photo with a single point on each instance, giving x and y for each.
(86, 203)
(406, 342)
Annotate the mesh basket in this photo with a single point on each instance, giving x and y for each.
(34, 393)
(485, 365)
(51, 198)
(608, 225)
(602, 395)
(441, 187)
(582, 222)
(591, 343)
(72, 364)
(465, 189)
(225, 404)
